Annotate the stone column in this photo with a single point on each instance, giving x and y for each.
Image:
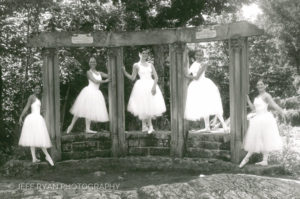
(51, 99)
(178, 86)
(239, 86)
(116, 101)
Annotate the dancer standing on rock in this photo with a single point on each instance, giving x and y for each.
(203, 96)
(262, 135)
(34, 131)
(146, 100)
(90, 103)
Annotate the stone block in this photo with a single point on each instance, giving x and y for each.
(104, 145)
(140, 151)
(161, 151)
(91, 145)
(78, 146)
(133, 142)
(67, 147)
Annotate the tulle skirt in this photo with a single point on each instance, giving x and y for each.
(142, 103)
(90, 104)
(203, 99)
(34, 132)
(262, 134)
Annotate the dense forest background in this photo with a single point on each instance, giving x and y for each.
(274, 56)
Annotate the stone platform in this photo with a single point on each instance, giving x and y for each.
(231, 186)
(215, 144)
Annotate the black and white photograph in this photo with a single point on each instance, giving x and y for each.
(150, 99)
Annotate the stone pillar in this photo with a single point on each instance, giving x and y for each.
(116, 101)
(178, 86)
(239, 86)
(51, 100)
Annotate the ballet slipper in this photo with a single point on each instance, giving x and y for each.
(203, 130)
(36, 161)
(226, 129)
(262, 163)
(91, 131)
(243, 163)
(50, 161)
(151, 130)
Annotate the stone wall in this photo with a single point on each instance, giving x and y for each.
(83, 145)
(201, 145)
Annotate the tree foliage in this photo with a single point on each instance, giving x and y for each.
(282, 19)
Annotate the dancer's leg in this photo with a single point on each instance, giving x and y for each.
(48, 157)
(264, 162)
(70, 127)
(206, 122)
(220, 117)
(246, 159)
(34, 159)
(88, 126)
(144, 125)
(207, 126)
(150, 125)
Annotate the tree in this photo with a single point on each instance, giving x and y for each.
(282, 21)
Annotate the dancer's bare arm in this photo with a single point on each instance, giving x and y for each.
(133, 74)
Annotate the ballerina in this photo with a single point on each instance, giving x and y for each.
(146, 100)
(262, 135)
(203, 97)
(90, 103)
(34, 131)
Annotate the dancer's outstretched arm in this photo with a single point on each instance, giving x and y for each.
(134, 72)
(154, 73)
(29, 102)
(272, 103)
(104, 75)
(105, 81)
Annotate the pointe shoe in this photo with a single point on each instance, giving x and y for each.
(50, 161)
(90, 131)
(226, 129)
(36, 161)
(243, 163)
(150, 130)
(69, 129)
(203, 130)
(262, 163)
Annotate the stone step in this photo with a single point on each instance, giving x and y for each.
(147, 151)
(206, 153)
(202, 145)
(210, 136)
(90, 145)
(194, 143)
(27, 168)
(77, 137)
(164, 135)
(76, 155)
(156, 134)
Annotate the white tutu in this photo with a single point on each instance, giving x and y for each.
(203, 98)
(90, 103)
(34, 131)
(141, 102)
(262, 134)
